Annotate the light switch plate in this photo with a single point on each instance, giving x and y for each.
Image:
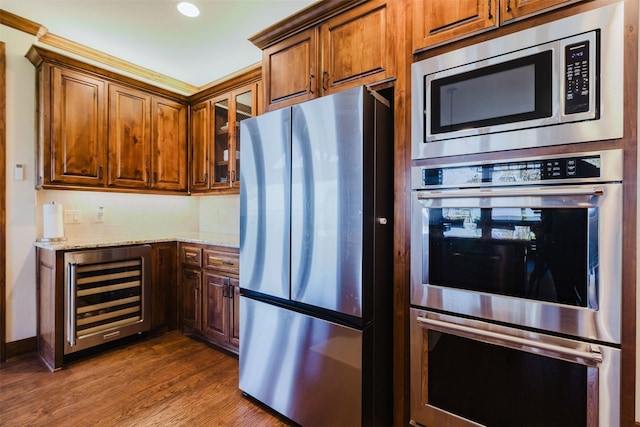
(18, 172)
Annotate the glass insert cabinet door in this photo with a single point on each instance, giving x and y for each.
(229, 111)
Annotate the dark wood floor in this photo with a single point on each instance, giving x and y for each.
(169, 380)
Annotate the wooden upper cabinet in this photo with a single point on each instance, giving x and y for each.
(355, 48)
(290, 69)
(340, 44)
(200, 145)
(129, 137)
(512, 10)
(74, 150)
(437, 22)
(215, 138)
(97, 129)
(168, 145)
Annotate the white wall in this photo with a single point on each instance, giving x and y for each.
(125, 214)
(21, 221)
(220, 214)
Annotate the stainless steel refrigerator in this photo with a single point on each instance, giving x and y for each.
(316, 208)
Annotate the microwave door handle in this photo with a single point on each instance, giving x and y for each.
(519, 192)
(516, 342)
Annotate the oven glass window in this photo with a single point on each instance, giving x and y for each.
(499, 386)
(508, 92)
(546, 254)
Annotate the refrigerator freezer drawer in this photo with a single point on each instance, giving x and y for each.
(308, 369)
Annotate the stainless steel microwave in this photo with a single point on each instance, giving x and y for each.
(557, 83)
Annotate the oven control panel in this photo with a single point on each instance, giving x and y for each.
(603, 166)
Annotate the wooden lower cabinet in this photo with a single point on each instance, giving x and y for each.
(51, 302)
(210, 294)
(164, 285)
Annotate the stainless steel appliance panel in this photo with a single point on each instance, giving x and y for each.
(107, 295)
(265, 203)
(607, 124)
(511, 367)
(308, 369)
(508, 257)
(327, 202)
(600, 320)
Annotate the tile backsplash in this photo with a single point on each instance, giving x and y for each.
(132, 215)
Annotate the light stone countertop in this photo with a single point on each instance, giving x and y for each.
(218, 239)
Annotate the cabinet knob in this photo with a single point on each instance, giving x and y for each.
(382, 221)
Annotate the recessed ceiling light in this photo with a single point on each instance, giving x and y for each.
(188, 9)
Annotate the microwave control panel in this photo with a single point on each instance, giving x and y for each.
(577, 65)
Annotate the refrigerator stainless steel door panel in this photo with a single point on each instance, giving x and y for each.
(308, 369)
(327, 202)
(265, 203)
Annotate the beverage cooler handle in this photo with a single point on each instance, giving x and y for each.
(516, 342)
(71, 304)
(519, 192)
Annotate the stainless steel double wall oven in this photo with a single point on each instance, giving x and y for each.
(516, 261)
(516, 291)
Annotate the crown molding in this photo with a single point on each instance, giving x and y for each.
(45, 37)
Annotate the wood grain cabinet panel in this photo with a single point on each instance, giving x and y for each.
(168, 145)
(216, 307)
(511, 10)
(436, 22)
(200, 144)
(129, 137)
(74, 152)
(290, 69)
(348, 49)
(355, 48)
(210, 303)
(164, 277)
(100, 130)
(191, 286)
(215, 138)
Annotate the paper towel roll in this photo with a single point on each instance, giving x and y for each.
(53, 226)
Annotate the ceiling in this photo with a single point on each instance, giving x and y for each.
(152, 34)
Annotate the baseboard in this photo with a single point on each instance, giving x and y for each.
(20, 347)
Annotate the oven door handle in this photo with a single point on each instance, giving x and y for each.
(519, 192)
(593, 354)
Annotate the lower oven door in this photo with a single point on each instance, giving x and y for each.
(471, 373)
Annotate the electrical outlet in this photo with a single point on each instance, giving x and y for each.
(99, 214)
(72, 216)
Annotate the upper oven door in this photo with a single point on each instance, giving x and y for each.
(544, 257)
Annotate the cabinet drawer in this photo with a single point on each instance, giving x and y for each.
(191, 255)
(227, 262)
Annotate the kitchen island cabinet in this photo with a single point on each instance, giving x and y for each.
(210, 289)
(436, 22)
(342, 45)
(100, 130)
